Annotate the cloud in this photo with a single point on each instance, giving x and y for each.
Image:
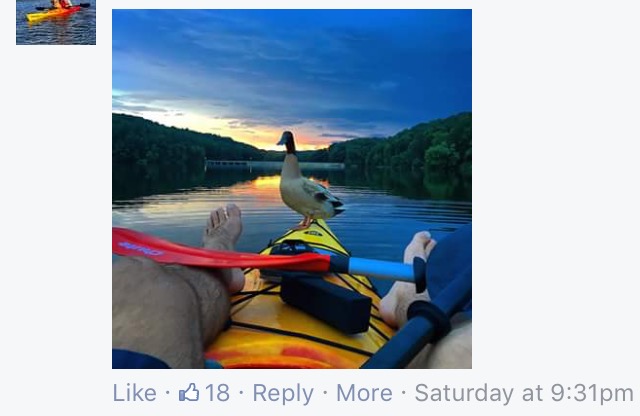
(120, 106)
(338, 135)
(359, 73)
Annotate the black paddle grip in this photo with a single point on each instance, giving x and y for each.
(420, 274)
(435, 315)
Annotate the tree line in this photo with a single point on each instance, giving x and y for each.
(439, 146)
(137, 142)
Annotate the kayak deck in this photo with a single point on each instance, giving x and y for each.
(265, 332)
(32, 17)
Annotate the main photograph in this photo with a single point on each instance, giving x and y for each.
(291, 189)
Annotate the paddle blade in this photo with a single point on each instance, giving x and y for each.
(127, 242)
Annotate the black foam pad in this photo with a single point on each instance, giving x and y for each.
(346, 310)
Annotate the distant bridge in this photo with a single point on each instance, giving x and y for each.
(252, 164)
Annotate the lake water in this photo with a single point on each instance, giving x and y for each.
(383, 210)
(75, 29)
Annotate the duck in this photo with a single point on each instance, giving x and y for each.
(301, 194)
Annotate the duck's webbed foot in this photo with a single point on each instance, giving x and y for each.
(304, 225)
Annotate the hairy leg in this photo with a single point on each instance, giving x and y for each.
(171, 311)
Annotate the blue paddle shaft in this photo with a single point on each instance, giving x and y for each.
(412, 273)
(382, 269)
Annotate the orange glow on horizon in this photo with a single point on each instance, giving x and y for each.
(262, 137)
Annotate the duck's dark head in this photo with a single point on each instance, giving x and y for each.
(287, 140)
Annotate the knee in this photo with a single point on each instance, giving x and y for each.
(454, 350)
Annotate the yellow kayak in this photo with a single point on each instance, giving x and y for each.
(266, 332)
(32, 17)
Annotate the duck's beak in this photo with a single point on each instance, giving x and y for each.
(286, 137)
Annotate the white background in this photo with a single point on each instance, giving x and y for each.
(555, 106)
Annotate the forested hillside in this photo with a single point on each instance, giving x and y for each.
(440, 146)
(143, 143)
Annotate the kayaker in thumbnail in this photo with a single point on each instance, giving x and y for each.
(61, 4)
(163, 316)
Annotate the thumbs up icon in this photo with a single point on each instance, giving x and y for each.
(190, 394)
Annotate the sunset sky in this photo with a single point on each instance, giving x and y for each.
(326, 75)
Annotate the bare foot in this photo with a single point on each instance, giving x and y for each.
(223, 228)
(222, 232)
(394, 306)
(452, 351)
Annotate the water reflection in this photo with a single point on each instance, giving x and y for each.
(130, 183)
